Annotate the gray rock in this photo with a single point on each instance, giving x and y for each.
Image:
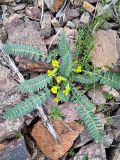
(108, 140)
(85, 18)
(16, 151)
(70, 25)
(77, 23)
(83, 138)
(93, 150)
(97, 97)
(72, 13)
(24, 32)
(8, 97)
(33, 12)
(46, 25)
(19, 7)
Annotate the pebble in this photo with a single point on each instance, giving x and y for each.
(70, 25)
(33, 12)
(72, 13)
(85, 18)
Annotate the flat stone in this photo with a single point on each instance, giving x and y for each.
(8, 98)
(69, 111)
(105, 51)
(46, 25)
(93, 150)
(54, 5)
(24, 32)
(46, 143)
(88, 7)
(15, 151)
(72, 13)
(97, 97)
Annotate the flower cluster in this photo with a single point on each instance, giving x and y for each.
(62, 83)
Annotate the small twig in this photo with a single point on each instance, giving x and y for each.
(11, 64)
(42, 12)
(48, 124)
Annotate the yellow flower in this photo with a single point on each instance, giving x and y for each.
(78, 69)
(67, 90)
(56, 99)
(55, 63)
(60, 79)
(50, 73)
(54, 89)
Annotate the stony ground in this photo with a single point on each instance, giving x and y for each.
(39, 23)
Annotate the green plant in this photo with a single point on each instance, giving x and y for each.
(55, 113)
(108, 96)
(101, 108)
(19, 135)
(62, 81)
(71, 153)
(84, 44)
(85, 158)
(109, 120)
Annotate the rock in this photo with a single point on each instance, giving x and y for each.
(72, 13)
(108, 140)
(24, 32)
(110, 90)
(106, 10)
(115, 153)
(6, 1)
(33, 12)
(77, 3)
(55, 22)
(85, 18)
(3, 33)
(97, 97)
(46, 143)
(16, 150)
(8, 97)
(46, 25)
(102, 55)
(91, 1)
(83, 138)
(19, 7)
(77, 23)
(54, 5)
(93, 150)
(88, 7)
(69, 111)
(70, 25)
(39, 2)
(71, 34)
(116, 119)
